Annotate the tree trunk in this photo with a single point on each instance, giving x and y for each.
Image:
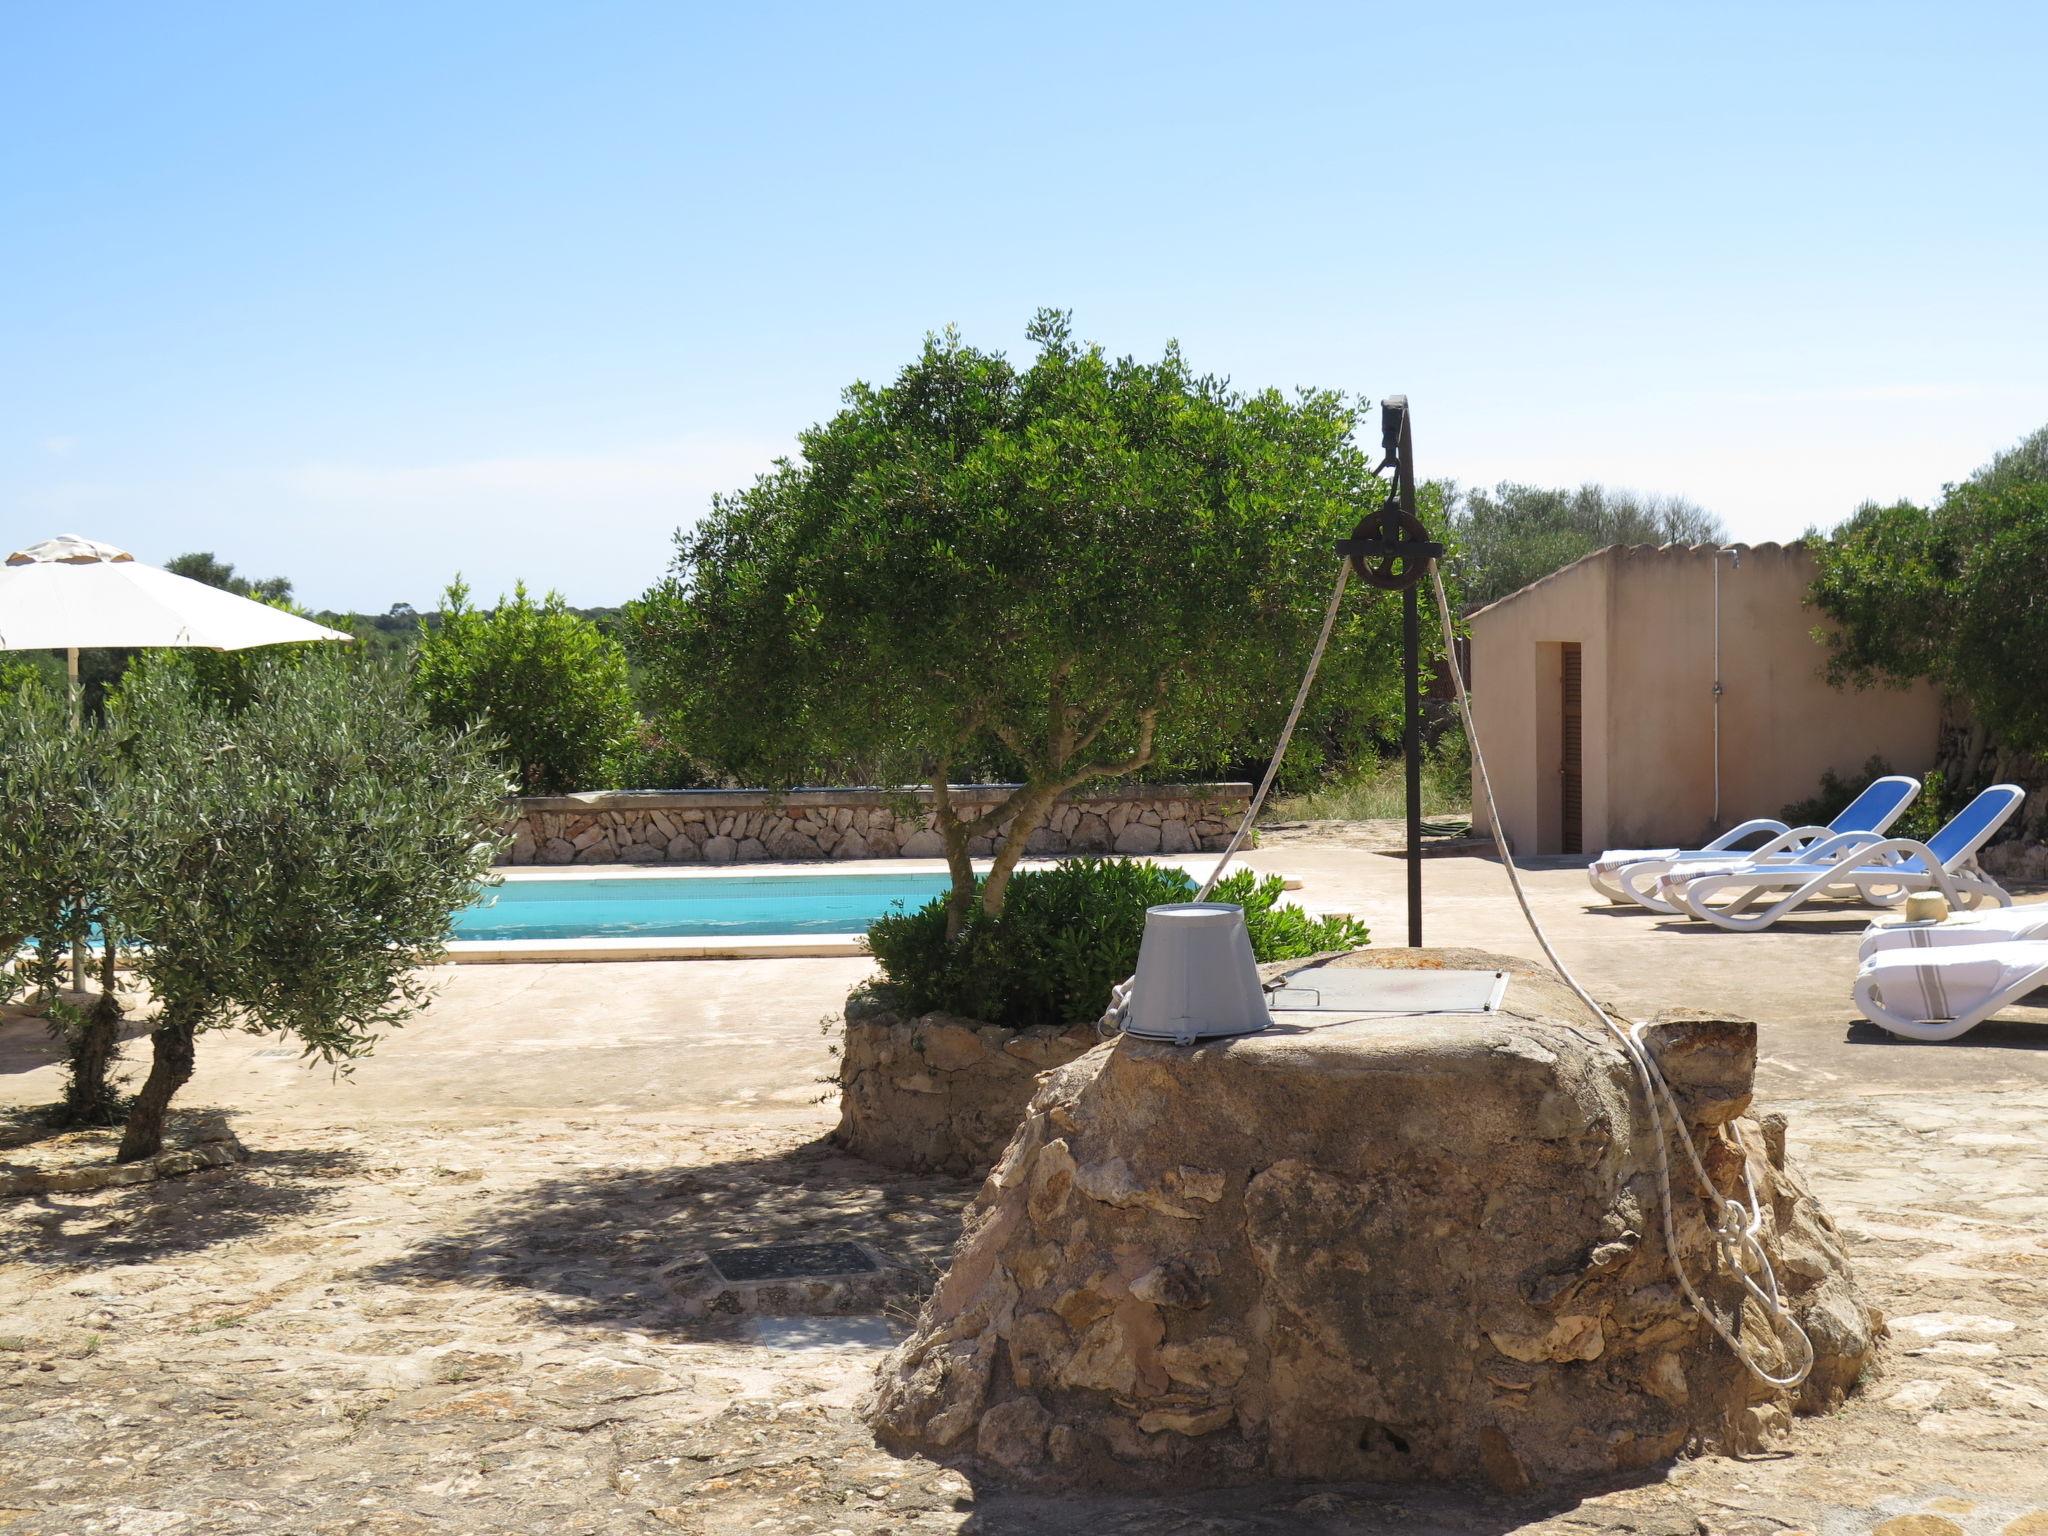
(89, 1099)
(170, 1068)
(1029, 813)
(960, 899)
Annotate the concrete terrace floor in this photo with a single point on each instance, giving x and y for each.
(430, 1301)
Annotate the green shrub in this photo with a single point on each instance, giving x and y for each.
(549, 684)
(1922, 819)
(1067, 934)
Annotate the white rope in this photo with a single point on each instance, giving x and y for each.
(1113, 1017)
(1736, 1226)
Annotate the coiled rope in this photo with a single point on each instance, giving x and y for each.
(1737, 1224)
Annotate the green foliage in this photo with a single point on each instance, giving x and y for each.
(550, 686)
(18, 671)
(229, 680)
(1066, 935)
(1516, 534)
(1953, 593)
(57, 857)
(52, 834)
(200, 565)
(291, 865)
(1378, 789)
(1921, 820)
(1072, 570)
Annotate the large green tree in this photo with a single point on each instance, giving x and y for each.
(1952, 592)
(1069, 569)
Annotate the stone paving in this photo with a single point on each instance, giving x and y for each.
(431, 1300)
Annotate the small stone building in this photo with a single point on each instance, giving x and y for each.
(1594, 694)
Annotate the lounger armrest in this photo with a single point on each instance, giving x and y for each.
(1749, 828)
(1792, 839)
(1893, 851)
(1838, 845)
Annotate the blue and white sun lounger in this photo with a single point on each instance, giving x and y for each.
(1883, 871)
(1631, 874)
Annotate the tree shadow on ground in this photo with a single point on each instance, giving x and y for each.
(590, 1245)
(139, 1223)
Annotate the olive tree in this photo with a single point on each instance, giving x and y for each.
(290, 865)
(549, 683)
(1515, 534)
(1061, 568)
(55, 862)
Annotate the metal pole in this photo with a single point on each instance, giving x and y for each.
(77, 725)
(1411, 747)
(1390, 548)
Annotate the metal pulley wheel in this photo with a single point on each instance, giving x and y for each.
(1390, 549)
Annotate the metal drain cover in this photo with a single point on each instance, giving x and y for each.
(792, 1261)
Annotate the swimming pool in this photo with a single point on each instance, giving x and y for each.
(690, 906)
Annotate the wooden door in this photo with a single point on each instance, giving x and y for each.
(1571, 769)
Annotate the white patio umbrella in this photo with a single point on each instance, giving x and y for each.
(68, 593)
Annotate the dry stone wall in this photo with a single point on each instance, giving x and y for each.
(718, 826)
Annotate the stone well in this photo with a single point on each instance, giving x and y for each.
(1386, 1249)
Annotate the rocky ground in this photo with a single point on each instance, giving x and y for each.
(431, 1302)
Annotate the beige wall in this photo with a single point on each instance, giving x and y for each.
(1645, 618)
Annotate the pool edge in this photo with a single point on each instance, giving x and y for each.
(555, 951)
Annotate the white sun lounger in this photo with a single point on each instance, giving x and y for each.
(1987, 925)
(1938, 994)
(1631, 874)
(1883, 871)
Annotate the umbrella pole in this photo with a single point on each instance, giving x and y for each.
(77, 724)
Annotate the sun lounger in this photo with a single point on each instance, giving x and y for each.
(1883, 871)
(1987, 925)
(1938, 994)
(1631, 874)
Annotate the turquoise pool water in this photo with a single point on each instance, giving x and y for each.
(691, 906)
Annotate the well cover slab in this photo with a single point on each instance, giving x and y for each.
(1352, 992)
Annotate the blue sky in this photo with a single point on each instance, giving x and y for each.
(368, 293)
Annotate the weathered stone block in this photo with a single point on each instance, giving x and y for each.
(1136, 837)
(939, 1094)
(924, 843)
(1403, 1248)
